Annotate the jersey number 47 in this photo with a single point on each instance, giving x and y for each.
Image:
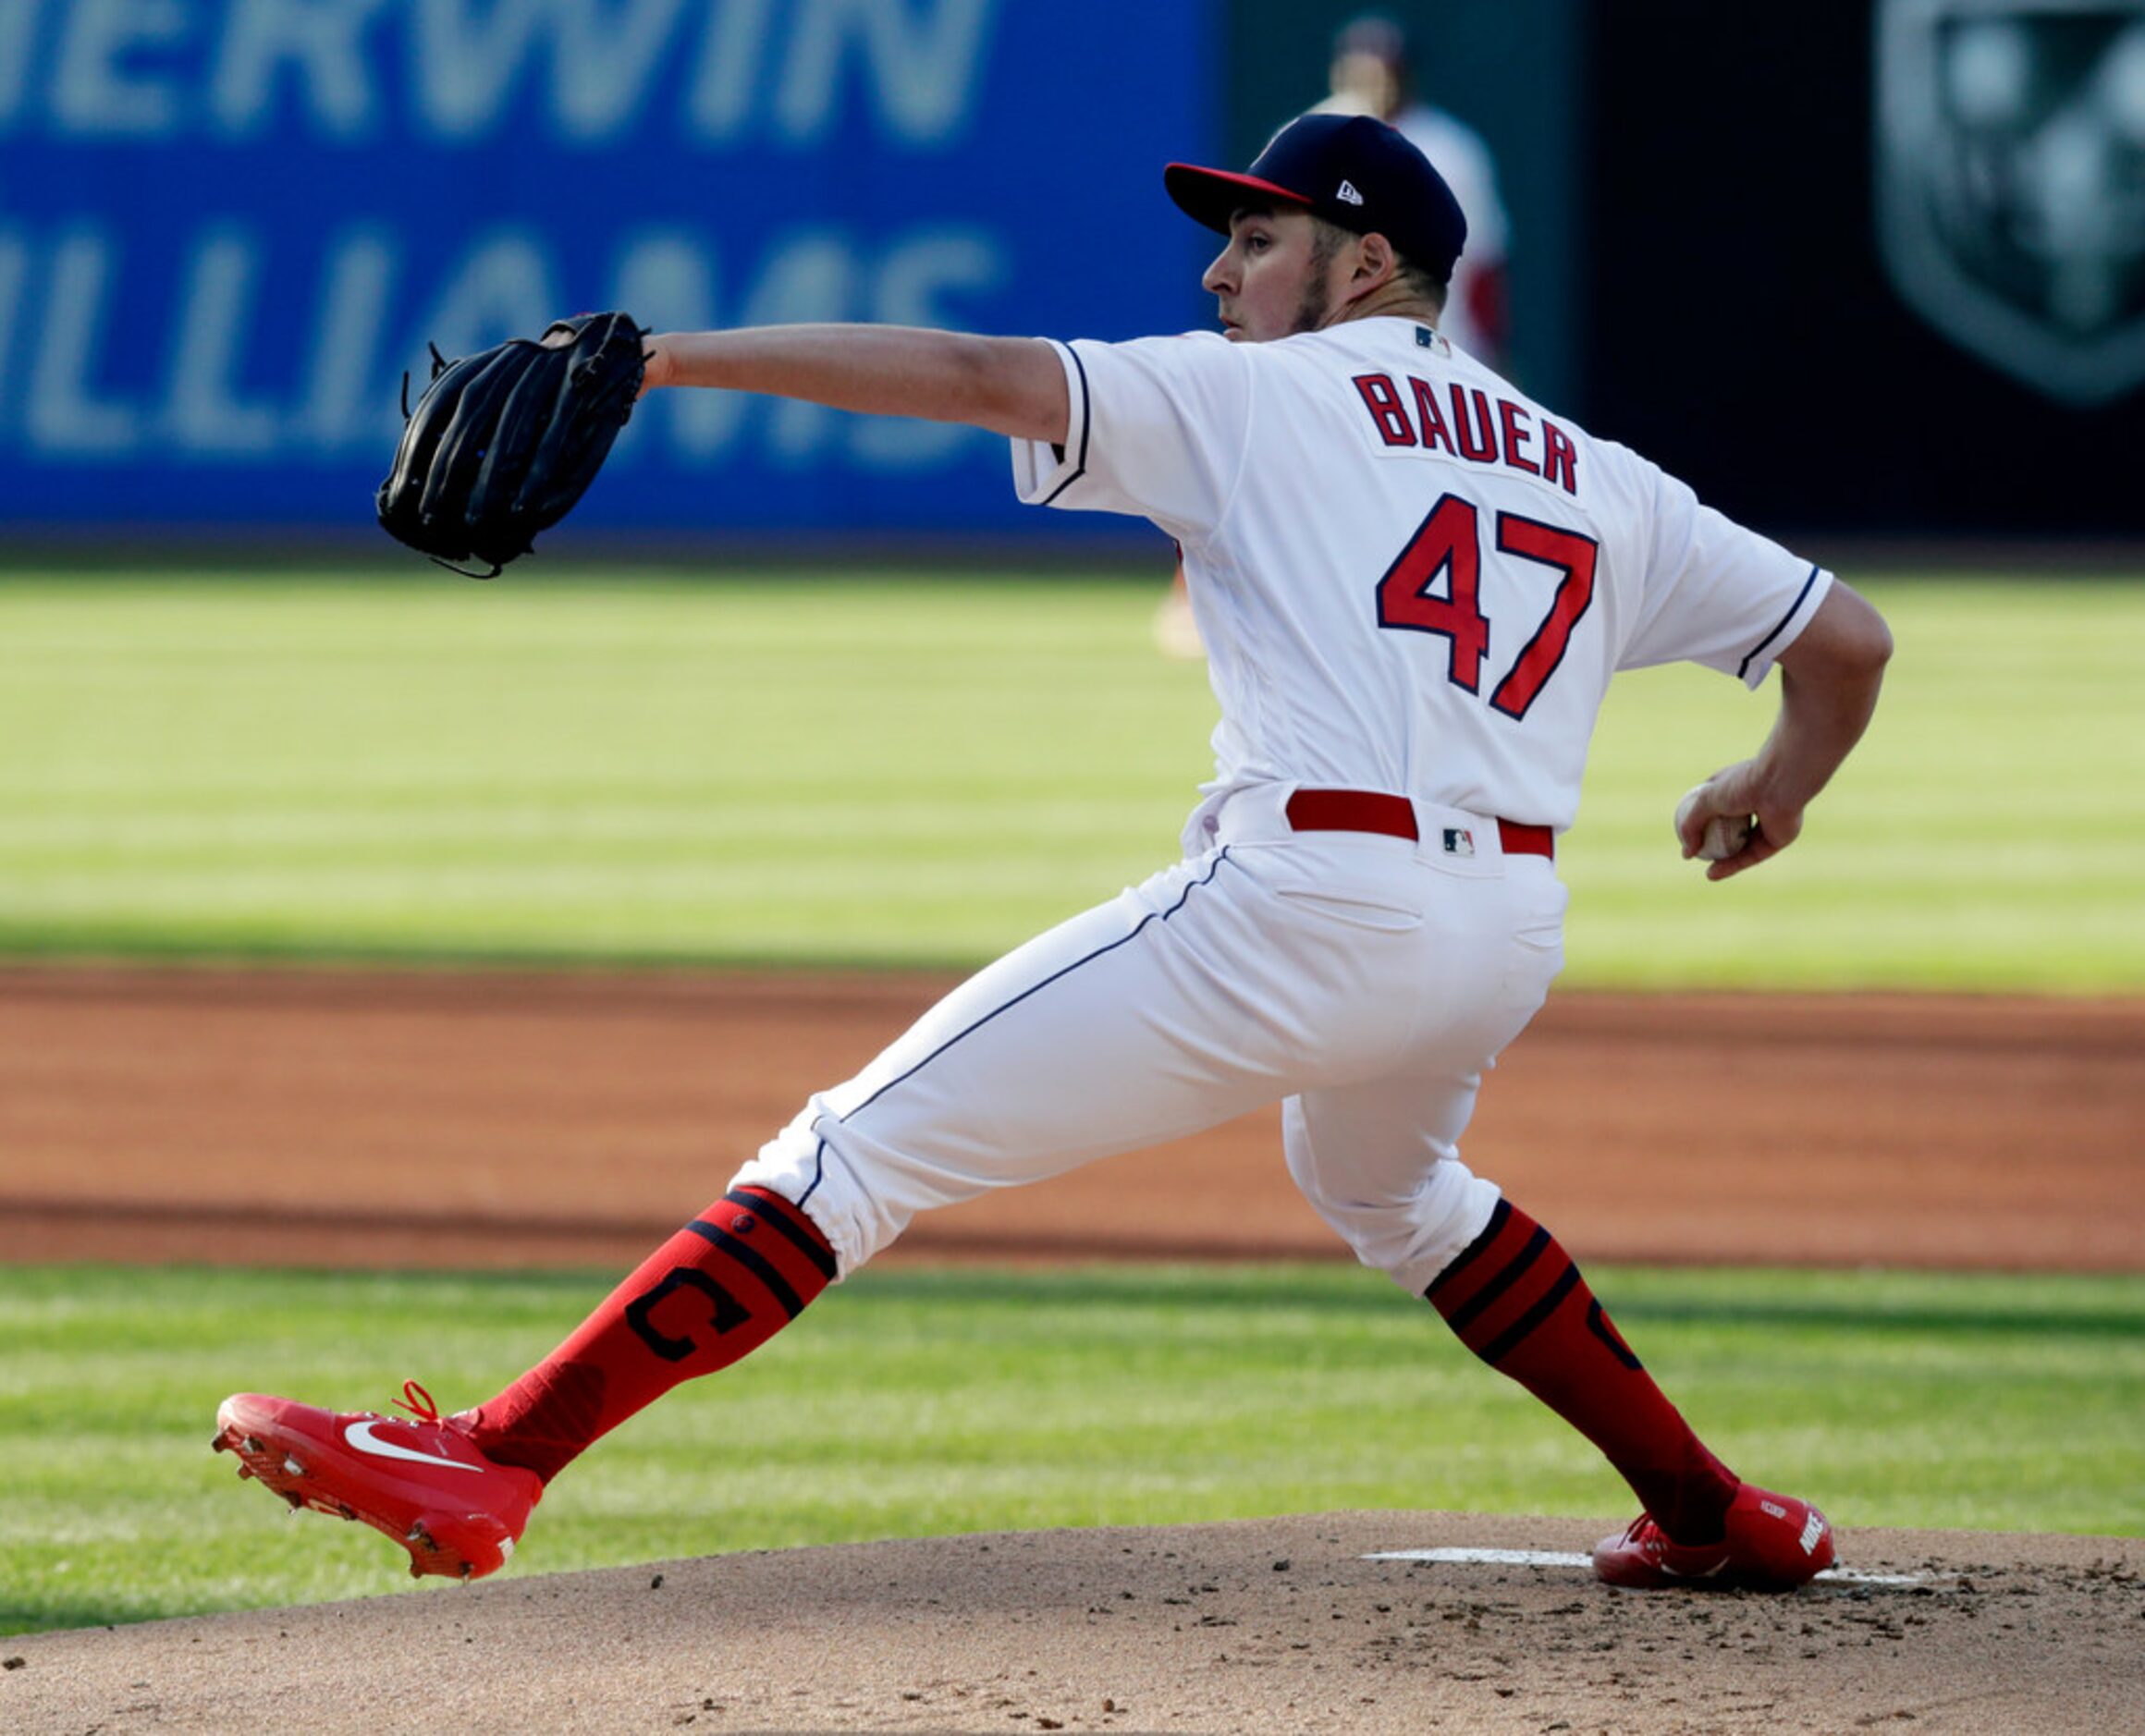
(1449, 541)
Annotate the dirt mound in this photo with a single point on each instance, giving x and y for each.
(1270, 1625)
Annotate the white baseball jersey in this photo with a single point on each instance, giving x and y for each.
(1411, 580)
(1409, 576)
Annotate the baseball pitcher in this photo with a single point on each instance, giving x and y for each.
(1414, 583)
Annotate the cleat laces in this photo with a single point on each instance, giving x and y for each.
(418, 1403)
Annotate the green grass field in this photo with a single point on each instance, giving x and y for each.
(813, 770)
(911, 1403)
(808, 770)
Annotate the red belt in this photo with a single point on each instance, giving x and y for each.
(1394, 817)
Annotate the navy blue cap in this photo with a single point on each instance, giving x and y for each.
(1351, 170)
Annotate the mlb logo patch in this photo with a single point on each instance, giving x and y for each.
(1459, 841)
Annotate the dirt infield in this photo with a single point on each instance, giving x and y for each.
(1278, 1625)
(334, 1118)
(448, 1119)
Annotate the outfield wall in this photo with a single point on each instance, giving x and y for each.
(1869, 267)
(229, 226)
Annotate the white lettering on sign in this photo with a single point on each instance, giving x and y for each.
(668, 278)
(330, 391)
(216, 310)
(470, 56)
(18, 37)
(458, 71)
(725, 78)
(342, 406)
(922, 67)
(63, 417)
(317, 42)
(98, 86)
(14, 269)
(505, 288)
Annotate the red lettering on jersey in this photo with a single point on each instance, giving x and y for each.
(1479, 445)
(1510, 415)
(1435, 433)
(1447, 543)
(1573, 557)
(1560, 457)
(1381, 398)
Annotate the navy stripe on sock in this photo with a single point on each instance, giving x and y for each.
(1461, 1319)
(755, 1262)
(1500, 1348)
(808, 1243)
(1598, 1323)
(1472, 1252)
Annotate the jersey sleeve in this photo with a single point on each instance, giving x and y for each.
(1717, 593)
(1157, 429)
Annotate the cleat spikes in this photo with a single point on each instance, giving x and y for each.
(424, 1484)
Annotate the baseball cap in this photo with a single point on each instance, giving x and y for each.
(1349, 169)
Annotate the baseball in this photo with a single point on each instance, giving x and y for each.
(1725, 834)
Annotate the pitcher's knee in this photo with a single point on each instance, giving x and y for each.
(1412, 1241)
(802, 1164)
(862, 1186)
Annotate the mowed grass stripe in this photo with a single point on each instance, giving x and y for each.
(911, 1402)
(821, 770)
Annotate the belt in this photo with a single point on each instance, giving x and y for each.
(1394, 817)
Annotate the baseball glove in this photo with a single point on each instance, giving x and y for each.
(503, 444)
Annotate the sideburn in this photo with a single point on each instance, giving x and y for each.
(1318, 301)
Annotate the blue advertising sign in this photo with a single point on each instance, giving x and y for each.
(227, 228)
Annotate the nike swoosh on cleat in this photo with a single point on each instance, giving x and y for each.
(359, 1434)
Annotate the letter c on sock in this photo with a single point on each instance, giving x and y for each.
(727, 1314)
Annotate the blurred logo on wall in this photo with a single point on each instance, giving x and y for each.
(2010, 142)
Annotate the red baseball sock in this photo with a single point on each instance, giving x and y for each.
(1518, 1301)
(717, 1290)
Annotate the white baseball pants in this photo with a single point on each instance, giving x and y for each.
(1365, 981)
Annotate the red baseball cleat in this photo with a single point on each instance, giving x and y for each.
(1772, 1543)
(422, 1481)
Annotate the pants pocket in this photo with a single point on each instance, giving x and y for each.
(1353, 909)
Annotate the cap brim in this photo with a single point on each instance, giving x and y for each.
(1211, 196)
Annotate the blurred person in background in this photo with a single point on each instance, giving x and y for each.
(1372, 72)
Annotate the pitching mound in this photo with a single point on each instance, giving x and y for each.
(1269, 1625)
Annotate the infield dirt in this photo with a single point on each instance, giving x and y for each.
(451, 1119)
(343, 1118)
(1278, 1625)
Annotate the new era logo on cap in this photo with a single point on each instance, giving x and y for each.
(1349, 193)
